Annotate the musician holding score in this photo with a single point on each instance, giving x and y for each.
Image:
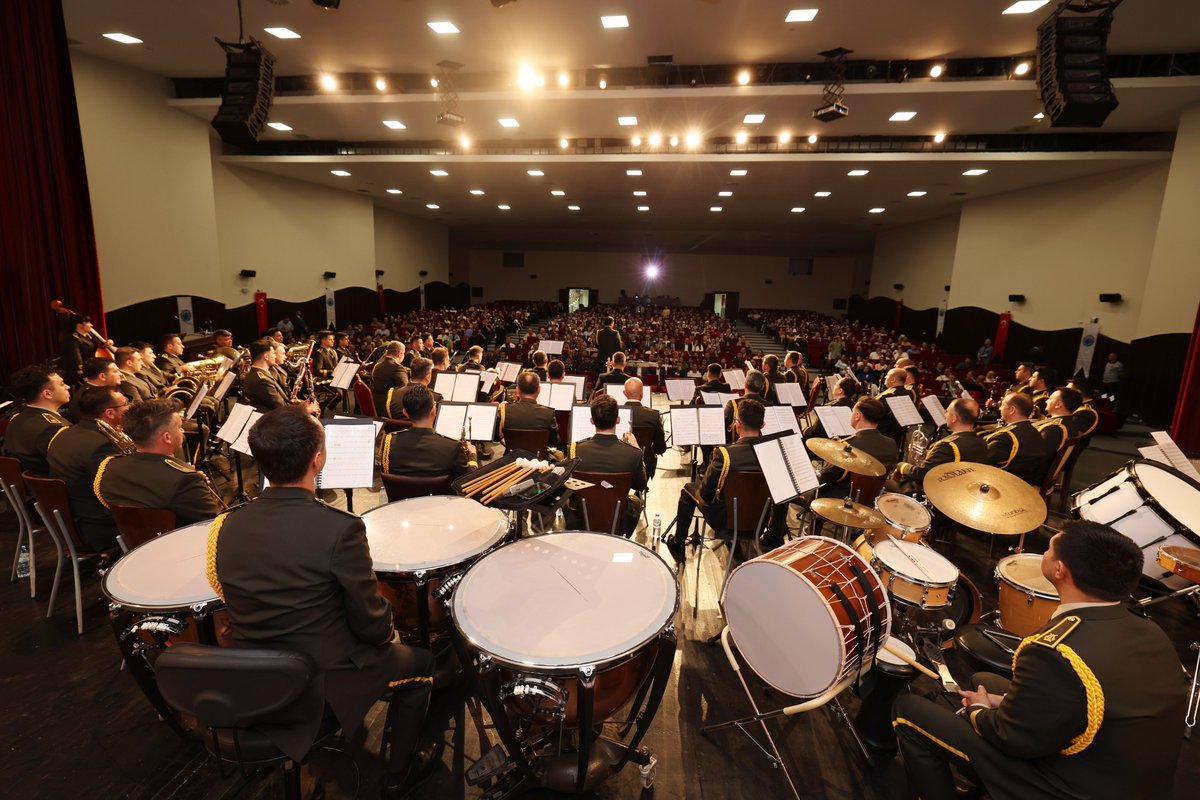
(962, 444)
(420, 450)
(615, 374)
(714, 383)
(261, 388)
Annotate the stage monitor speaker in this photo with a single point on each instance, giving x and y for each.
(248, 273)
(1016, 298)
(1115, 297)
(1072, 69)
(247, 94)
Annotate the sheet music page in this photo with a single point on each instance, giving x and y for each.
(736, 378)
(904, 411)
(581, 423)
(1174, 455)
(481, 425)
(232, 429)
(831, 382)
(616, 391)
(580, 384)
(223, 387)
(835, 420)
(712, 398)
(348, 370)
(543, 398)
(487, 379)
(725, 397)
(349, 454)
(550, 347)
(685, 426)
(934, 406)
(792, 394)
(443, 384)
(775, 470)
(450, 420)
(378, 425)
(1154, 453)
(561, 395)
(242, 444)
(680, 389)
(200, 395)
(803, 473)
(624, 422)
(508, 371)
(466, 388)
(712, 425)
(779, 418)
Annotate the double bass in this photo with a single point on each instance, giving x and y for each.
(103, 346)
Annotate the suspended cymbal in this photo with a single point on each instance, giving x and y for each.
(845, 512)
(985, 498)
(845, 456)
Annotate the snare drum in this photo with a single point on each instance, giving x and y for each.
(790, 624)
(1027, 599)
(905, 518)
(1151, 503)
(417, 544)
(1182, 561)
(915, 575)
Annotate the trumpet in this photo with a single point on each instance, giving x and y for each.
(918, 443)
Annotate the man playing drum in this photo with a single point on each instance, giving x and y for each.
(1095, 704)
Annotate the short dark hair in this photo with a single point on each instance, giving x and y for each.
(139, 345)
(270, 332)
(872, 410)
(415, 339)
(556, 369)
(284, 442)
(609, 321)
(539, 358)
(756, 382)
(1021, 401)
(1102, 562)
(95, 399)
(28, 382)
(123, 355)
(605, 411)
(770, 362)
(618, 359)
(321, 334)
(145, 420)
(417, 401)
(393, 348)
(1049, 376)
(220, 332)
(750, 413)
(419, 368)
(439, 355)
(260, 347)
(1071, 399)
(528, 382)
(1028, 366)
(714, 370)
(849, 387)
(967, 411)
(474, 350)
(793, 357)
(166, 339)
(95, 367)
(1081, 385)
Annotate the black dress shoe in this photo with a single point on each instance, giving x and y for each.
(677, 549)
(424, 761)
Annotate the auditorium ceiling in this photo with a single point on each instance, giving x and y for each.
(580, 137)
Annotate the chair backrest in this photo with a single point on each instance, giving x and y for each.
(535, 441)
(231, 687)
(51, 495)
(865, 488)
(404, 487)
(1057, 462)
(601, 501)
(366, 400)
(644, 435)
(138, 525)
(814, 389)
(392, 425)
(750, 489)
(10, 474)
(563, 420)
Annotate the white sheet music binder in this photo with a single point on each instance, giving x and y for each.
(786, 465)
(559, 396)
(692, 425)
(680, 389)
(835, 420)
(792, 394)
(349, 454)
(478, 418)
(903, 410)
(582, 427)
(934, 406)
(736, 378)
(777, 419)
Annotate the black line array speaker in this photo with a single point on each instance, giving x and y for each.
(1072, 69)
(247, 94)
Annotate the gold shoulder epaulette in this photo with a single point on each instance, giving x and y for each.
(173, 464)
(322, 503)
(1058, 634)
(53, 419)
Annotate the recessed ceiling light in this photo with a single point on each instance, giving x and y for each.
(328, 82)
(822, 194)
(563, 143)
(433, 206)
(1022, 68)
(636, 141)
(640, 193)
(858, 173)
(627, 121)
(725, 193)
(381, 84)
(902, 116)
(936, 70)
(341, 173)
(785, 137)
(279, 126)
(433, 82)
(282, 33)
(1039, 115)
(743, 77)
(917, 193)
(438, 173)
(563, 79)
(939, 138)
(504, 207)
(812, 138)
(394, 124)
(741, 137)
(675, 141)
(123, 38)
(1024, 6)
(477, 192)
(394, 191)
(974, 172)
(443, 27)
(558, 192)
(753, 119)
(633, 173)
(875, 210)
(656, 139)
(693, 139)
(643, 208)
(508, 122)
(572, 208)
(738, 173)
(534, 173)
(603, 83)
(715, 208)
(464, 141)
(798, 210)
(615, 21)
(801, 15)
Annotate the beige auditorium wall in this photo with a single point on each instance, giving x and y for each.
(290, 232)
(404, 246)
(921, 257)
(687, 276)
(1061, 245)
(150, 183)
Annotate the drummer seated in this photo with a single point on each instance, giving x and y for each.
(707, 494)
(420, 450)
(605, 452)
(962, 444)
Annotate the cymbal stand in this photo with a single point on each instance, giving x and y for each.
(240, 496)
(1187, 591)
(1193, 706)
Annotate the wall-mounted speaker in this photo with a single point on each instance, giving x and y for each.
(946, 287)
(898, 287)
(248, 92)
(378, 273)
(329, 276)
(423, 273)
(1016, 298)
(1114, 297)
(248, 273)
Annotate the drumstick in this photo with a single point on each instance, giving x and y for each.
(912, 662)
(490, 480)
(489, 477)
(506, 484)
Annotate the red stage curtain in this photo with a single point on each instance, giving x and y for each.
(47, 243)
(1185, 428)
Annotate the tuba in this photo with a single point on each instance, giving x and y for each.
(123, 442)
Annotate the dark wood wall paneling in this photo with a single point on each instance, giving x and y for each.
(1152, 364)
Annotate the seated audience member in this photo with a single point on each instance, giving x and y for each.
(420, 450)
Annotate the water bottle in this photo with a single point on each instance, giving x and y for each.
(560, 522)
(23, 563)
(656, 531)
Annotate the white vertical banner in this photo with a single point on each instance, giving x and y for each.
(330, 310)
(187, 321)
(1087, 348)
(941, 317)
